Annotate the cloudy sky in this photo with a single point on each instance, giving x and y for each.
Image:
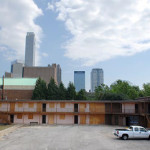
(80, 35)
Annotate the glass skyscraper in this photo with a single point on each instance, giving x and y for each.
(97, 78)
(30, 49)
(79, 80)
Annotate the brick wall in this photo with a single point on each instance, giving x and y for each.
(46, 73)
(17, 94)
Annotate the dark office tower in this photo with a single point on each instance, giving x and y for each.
(79, 80)
(30, 49)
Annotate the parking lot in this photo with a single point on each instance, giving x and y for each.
(68, 138)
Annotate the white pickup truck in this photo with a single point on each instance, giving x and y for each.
(132, 132)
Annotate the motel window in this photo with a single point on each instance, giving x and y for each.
(30, 116)
(19, 116)
(51, 105)
(62, 117)
(62, 105)
(31, 105)
(20, 104)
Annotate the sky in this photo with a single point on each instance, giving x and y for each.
(80, 35)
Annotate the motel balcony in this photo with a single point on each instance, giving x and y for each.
(72, 111)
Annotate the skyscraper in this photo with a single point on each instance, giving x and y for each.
(79, 80)
(30, 49)
(58, 74)
(97, 78)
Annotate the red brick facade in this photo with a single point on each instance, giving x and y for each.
(16, 94)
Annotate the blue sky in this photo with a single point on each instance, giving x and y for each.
(113, 35)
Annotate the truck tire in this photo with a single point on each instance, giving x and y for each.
(125, 137)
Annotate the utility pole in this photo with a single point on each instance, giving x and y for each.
(3, 89)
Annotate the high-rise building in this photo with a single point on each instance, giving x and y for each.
(79, 80)
(58, 74)
(97, 78)
(16, 69)
(30, 49)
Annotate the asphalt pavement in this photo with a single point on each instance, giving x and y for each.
(68, 138)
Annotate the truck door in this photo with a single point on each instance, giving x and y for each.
(144, 133)
(137, 133)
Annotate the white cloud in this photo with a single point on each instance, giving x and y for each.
(44, 54)
(16, 19)
(104, 29)
(50, 6)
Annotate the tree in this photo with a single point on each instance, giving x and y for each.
(112, 96)
(52, 92)
(100, 91)
(146, 89)
(40, 90)
(90, 96)
(133, 92)
(125, 88)
(81, 95)
(62, 92)
(71, 93)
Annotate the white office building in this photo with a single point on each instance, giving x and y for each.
(97, 78)
(30, 49)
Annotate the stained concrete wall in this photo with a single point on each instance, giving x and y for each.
(26, 107)
(4, 107)
(26, 120)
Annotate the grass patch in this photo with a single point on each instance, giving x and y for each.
(2, 127)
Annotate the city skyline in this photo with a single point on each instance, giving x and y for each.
(80, 40)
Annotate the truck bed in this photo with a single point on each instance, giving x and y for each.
(122, 129)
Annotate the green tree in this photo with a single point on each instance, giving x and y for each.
(100, 91)
(71, 92)
(146, 89)
(81, 95)
(40, 90)
(90, 96)
(133, 92)
(112, 96)
(62, 92)
(52, 92)
(125, 89)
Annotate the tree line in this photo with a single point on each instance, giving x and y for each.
(52, 91)
(119, 90)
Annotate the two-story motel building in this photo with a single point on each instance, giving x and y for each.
(69, 112)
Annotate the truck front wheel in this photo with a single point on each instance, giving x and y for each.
(125, 137)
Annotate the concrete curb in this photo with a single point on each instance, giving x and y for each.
(9, 130)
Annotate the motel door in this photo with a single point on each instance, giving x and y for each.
(82, 119)
(51, 119)
(12, 107)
